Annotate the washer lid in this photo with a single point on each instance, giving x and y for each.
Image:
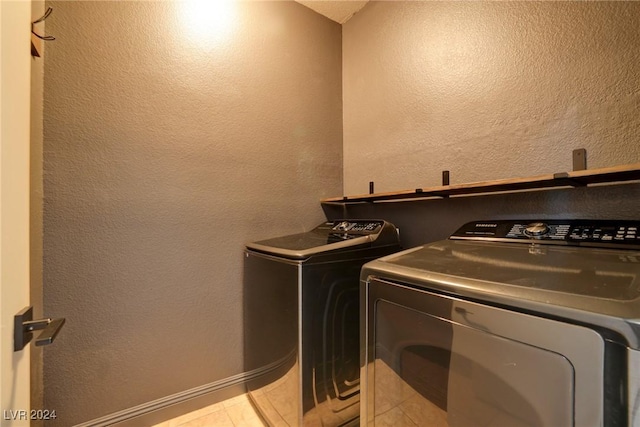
(597, 286)
(328, 237)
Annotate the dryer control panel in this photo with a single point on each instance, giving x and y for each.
(359, 227)
(331, 236)
(595, 233)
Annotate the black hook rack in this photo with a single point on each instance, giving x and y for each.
(34, 50)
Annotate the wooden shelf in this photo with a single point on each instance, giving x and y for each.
(565, 179)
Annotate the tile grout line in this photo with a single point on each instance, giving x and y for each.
(243, 415)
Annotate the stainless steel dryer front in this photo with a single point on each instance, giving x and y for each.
(507, 323)
(301, 317)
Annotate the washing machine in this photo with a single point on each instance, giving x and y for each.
(506, 323)
(301, 321)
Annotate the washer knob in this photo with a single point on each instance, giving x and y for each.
(536, 229)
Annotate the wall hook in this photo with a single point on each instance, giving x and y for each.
(24, 325)
(34, 50)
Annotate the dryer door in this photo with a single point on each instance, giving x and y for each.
(440, 361)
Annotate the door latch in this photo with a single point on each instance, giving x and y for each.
(24, 325)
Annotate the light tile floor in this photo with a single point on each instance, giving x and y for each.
(234, 412)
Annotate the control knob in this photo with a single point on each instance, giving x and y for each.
(536, 229)
(343, 226)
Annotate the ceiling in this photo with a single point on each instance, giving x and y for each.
(337, 10)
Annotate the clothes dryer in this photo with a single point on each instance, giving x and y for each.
(301, 316)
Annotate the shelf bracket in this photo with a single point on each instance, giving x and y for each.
(579, 159)
(564, 176)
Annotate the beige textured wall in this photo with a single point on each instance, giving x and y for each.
(163, 154)
(35, 207)
(487, 90)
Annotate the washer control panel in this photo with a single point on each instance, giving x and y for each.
(598, 233)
